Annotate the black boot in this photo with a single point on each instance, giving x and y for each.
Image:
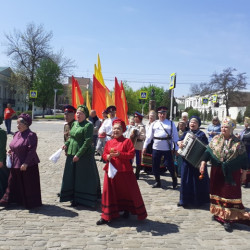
(157, 183)
(174, 182)
(137, 172)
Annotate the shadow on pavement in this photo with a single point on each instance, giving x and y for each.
(156, 228)
(53, 210)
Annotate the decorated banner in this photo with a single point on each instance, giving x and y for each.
(77, 98)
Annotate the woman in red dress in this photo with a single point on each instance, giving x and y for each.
(121, 192)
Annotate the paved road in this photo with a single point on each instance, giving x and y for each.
(58, 226)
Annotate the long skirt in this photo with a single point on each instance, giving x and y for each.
(193, 191)
(81, 182)
(225, 199)
(4, 176)
(122, 193)
(24, 187)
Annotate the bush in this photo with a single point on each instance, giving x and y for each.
(195, 112)
(247, 112)
(239, 118)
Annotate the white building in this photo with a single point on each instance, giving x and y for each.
(218, 110)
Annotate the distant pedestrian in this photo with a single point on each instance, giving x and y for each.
(9, 113)
(214, 128)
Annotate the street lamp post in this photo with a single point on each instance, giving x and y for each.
(55, 102)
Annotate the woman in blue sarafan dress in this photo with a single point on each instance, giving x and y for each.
(194, 191)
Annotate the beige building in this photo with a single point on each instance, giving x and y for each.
(8, 93)
(84, 83)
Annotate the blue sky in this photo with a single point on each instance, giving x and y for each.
(141, 41)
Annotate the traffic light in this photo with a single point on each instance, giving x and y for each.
(216, 105)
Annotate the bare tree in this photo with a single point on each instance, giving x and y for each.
(228, 84)
(28, 48)
(200, 89)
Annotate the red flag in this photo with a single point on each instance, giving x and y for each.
(98, 97)
(77, 98)
(125, 104)
(118, 101)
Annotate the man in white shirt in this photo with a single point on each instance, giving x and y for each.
(165, 136)
(106, 128)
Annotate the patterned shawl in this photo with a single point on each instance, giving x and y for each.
(227, 150)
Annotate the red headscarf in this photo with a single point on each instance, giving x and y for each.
(121, 122)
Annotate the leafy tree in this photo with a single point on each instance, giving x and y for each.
(28, 48)
(132, 99)
(209, 115)
(46, 81)
(247, 112)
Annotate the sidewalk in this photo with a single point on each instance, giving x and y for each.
(58, 226)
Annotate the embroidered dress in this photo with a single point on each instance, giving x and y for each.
(227, 157)
(194, 191)
(81, 182)
(121, 193)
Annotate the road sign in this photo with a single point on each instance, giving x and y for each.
(143, 95)
(33, 93)
(214, 98)
(172, 81)
(204, 100)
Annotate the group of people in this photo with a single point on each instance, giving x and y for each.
(228, 154)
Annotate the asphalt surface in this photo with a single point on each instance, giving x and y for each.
(58, 226)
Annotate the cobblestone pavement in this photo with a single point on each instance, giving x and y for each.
(58, 226)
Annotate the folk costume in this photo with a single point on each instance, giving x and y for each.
(81, 182)
(24, 186)
(193, 191)
(122, 192)
(4, 171)
(67, 126)
(227, 158)
(165, 136)
(140, 136)
(245, 137)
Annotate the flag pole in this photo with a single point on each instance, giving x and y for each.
(171, 105)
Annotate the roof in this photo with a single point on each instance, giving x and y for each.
(6, 71)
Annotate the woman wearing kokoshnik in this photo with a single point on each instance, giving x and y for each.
(81, 182)
(227, 155)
